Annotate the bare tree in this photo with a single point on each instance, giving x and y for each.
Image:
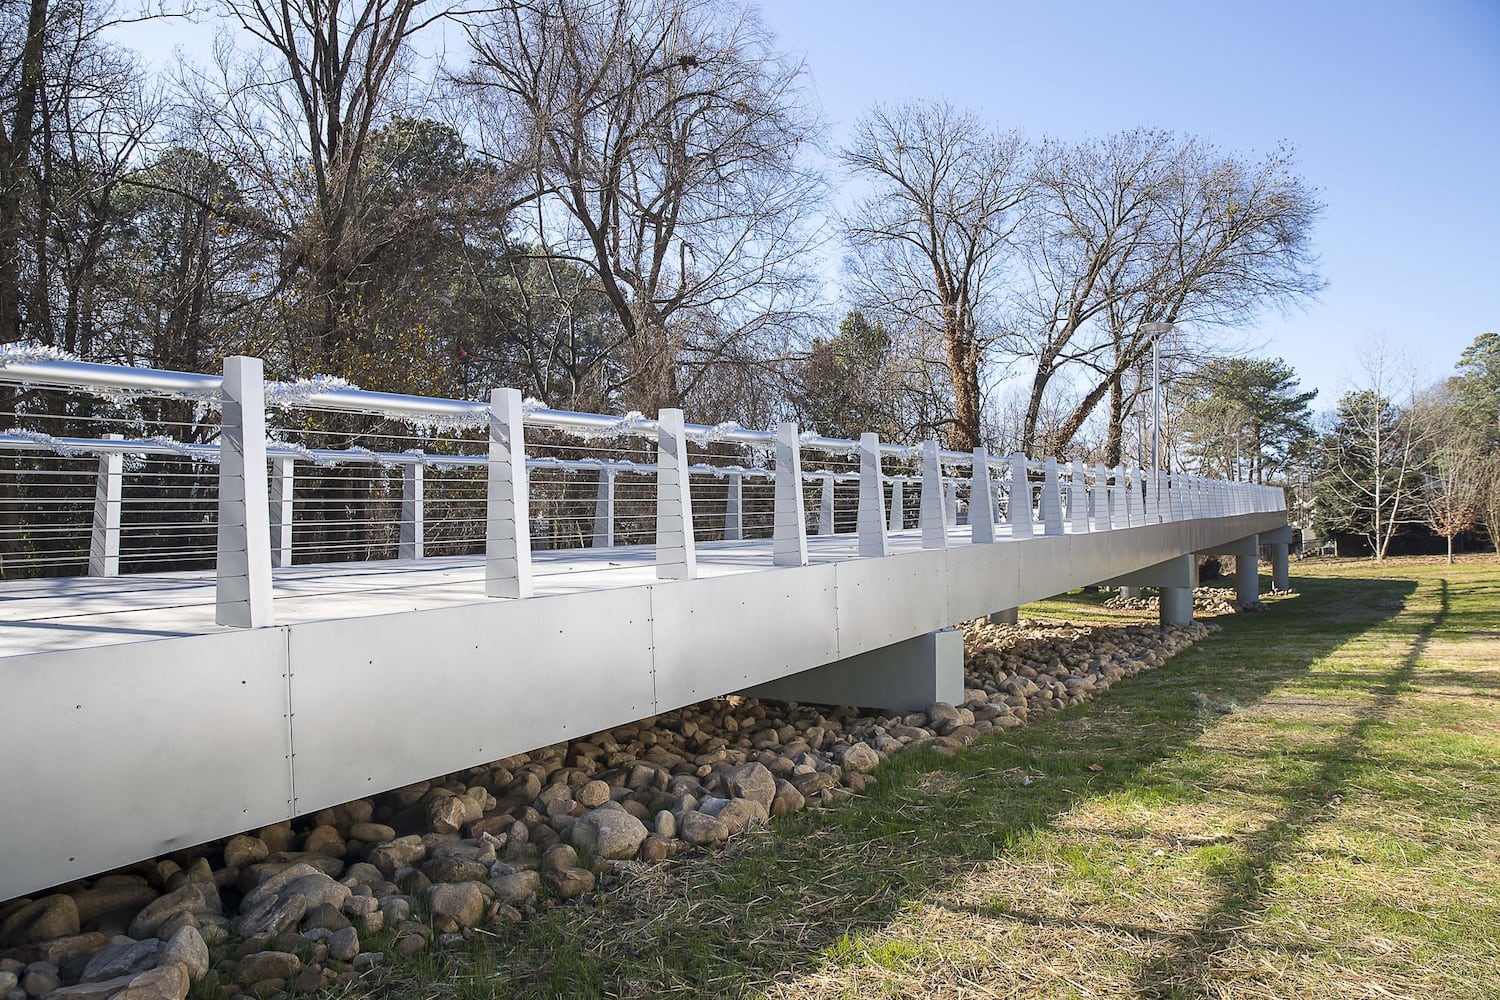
(1453, 491)
(1144, 228)
(662, 138)
(931, 240)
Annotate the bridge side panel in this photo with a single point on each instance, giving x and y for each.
(881, 601)
(726, 633)
(113, 754)
(381, 702)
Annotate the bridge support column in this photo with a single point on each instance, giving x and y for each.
(283, 490)
(242, 589)
(902, 677)
(104, 541)
(789, 520)
(1174, 580)
(1280, 544)
(1007, 617)
(1131, 593)
(1246, 552)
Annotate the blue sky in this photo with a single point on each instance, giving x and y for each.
(1394, 110)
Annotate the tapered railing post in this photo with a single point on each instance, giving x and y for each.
(283, 496)
(676, 550)
(1018, 497)
(1078, 502)
(1104, 499)
(870, 522)
(1120, 498)
(734, 508)
(104, 540)
(604, 508)
(242, 592)
(789, 518)
(507, 552)
(1051, 501)
(413, 543)
(825, 505)
(898, 505)
(934, 516)
(981, 500)
(950, 501)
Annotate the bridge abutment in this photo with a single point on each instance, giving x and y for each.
(1007, 617)
(905, 676)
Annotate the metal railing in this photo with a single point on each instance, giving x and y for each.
(251, 507)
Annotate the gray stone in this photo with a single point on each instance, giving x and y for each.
(516, 888)
(666, 824)
(593, 794)
(454, 870)
(197, 898)
(569, 883)
(399, 853)
(122, 960)
(861, 759)
(751, 781)
(40, 982)
(343, 945)
(701, 829)
(738, 814)
(361, 906)
(264, 965)
(455, 905)
(8, 981)
(367, 960)
(106, 897)
(244, 850)
(609, 833)
(187, 949)
(41, 920)
(371, 833)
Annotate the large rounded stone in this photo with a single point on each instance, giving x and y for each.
(243, 850)
(187, 949)
(198, 898)
(518, 887)
(702, 829)
(608, 832)
(106, 896)
(42, 920)
(122, 960)
(264, 965)
(861, 759)
(751, 781)
(455, 905)
(569, 883)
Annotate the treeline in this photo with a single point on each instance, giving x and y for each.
(612, 205)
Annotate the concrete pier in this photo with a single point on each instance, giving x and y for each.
(903, 677)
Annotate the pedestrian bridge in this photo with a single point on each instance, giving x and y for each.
(204, 636)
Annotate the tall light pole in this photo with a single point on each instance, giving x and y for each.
(1156, 331)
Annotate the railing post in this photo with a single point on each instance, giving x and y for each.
(825, 505)
(1122, 494)
(507, 535)
(1051, 502)
(104, 540)
(242, 591)
(870, 522)
(1104, 499)
(789, 519)
(604, 508)
(950, 501)
(283, 493)
(413, 543)
(1153, 496)
(981, 500)
(734, 505)
(1018, 498)
(934, 515)
(1078, 503)
(898, 506)
(676, 551)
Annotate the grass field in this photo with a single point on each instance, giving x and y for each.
(1307, 804)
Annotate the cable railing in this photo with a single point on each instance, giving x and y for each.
(244, 497)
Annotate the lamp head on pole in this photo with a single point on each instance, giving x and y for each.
(1155, 330)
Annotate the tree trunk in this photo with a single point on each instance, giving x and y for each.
(963, 361)
(1115, 440)
(1450, 550)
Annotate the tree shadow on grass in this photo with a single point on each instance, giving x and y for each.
(774, 906)
(1186, 968)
